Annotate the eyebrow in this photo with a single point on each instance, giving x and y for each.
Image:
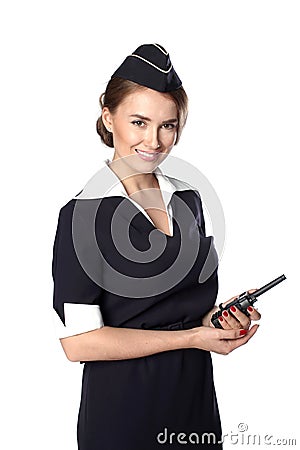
(149, 120)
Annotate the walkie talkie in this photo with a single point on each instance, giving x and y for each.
(244, 300)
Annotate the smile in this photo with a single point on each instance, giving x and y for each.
(148, 156)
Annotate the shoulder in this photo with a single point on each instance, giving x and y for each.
(67, 208)
(77, 213)
(66, 215)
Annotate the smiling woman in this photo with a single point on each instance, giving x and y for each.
(138, 317)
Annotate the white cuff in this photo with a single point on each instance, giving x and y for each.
(79, 318)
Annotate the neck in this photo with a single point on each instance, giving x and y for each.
(131, 180)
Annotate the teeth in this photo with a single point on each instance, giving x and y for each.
(145, 153)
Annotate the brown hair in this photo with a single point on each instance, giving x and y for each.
(116, 91)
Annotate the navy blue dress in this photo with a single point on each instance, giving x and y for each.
(164, 400)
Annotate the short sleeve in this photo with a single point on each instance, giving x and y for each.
(76, 297)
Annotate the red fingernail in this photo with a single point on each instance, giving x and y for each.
(250, 309)
(221, 319)
(243, 332)
(233, 308)
(225, 313)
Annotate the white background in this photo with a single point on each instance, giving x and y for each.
(239, 63)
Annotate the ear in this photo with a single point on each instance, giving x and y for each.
(107, 118)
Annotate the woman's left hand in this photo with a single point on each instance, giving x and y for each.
(235, 319)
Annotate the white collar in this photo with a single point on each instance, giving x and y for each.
(105, 183)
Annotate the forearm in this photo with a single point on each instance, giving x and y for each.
(112, 343)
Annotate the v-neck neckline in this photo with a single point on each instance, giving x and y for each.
(168, 211)
(105, 183)
(162, 187)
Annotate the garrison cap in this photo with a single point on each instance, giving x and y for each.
(150, 66)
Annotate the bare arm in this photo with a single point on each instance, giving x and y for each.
(113, 343)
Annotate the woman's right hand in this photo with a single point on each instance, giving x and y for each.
(218, 340)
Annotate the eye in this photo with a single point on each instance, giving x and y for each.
(168, 126)
(138, 123)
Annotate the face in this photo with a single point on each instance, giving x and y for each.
(144, 127)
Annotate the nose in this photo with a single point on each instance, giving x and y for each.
(151, 139)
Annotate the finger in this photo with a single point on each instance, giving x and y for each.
(254, 314)
(250, 291)
(230, 321)
(238, 342)
(232, 334)
(230, 300)
(222, 322)
(243, 320)
(236, 296)
(251, 332)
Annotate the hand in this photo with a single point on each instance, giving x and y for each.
(234, 320)
(220, 341)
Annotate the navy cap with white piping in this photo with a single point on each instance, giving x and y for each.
(150, 66)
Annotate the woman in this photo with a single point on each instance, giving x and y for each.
(143, 333)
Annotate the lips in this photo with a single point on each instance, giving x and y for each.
(147, 156)
(145, 153)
